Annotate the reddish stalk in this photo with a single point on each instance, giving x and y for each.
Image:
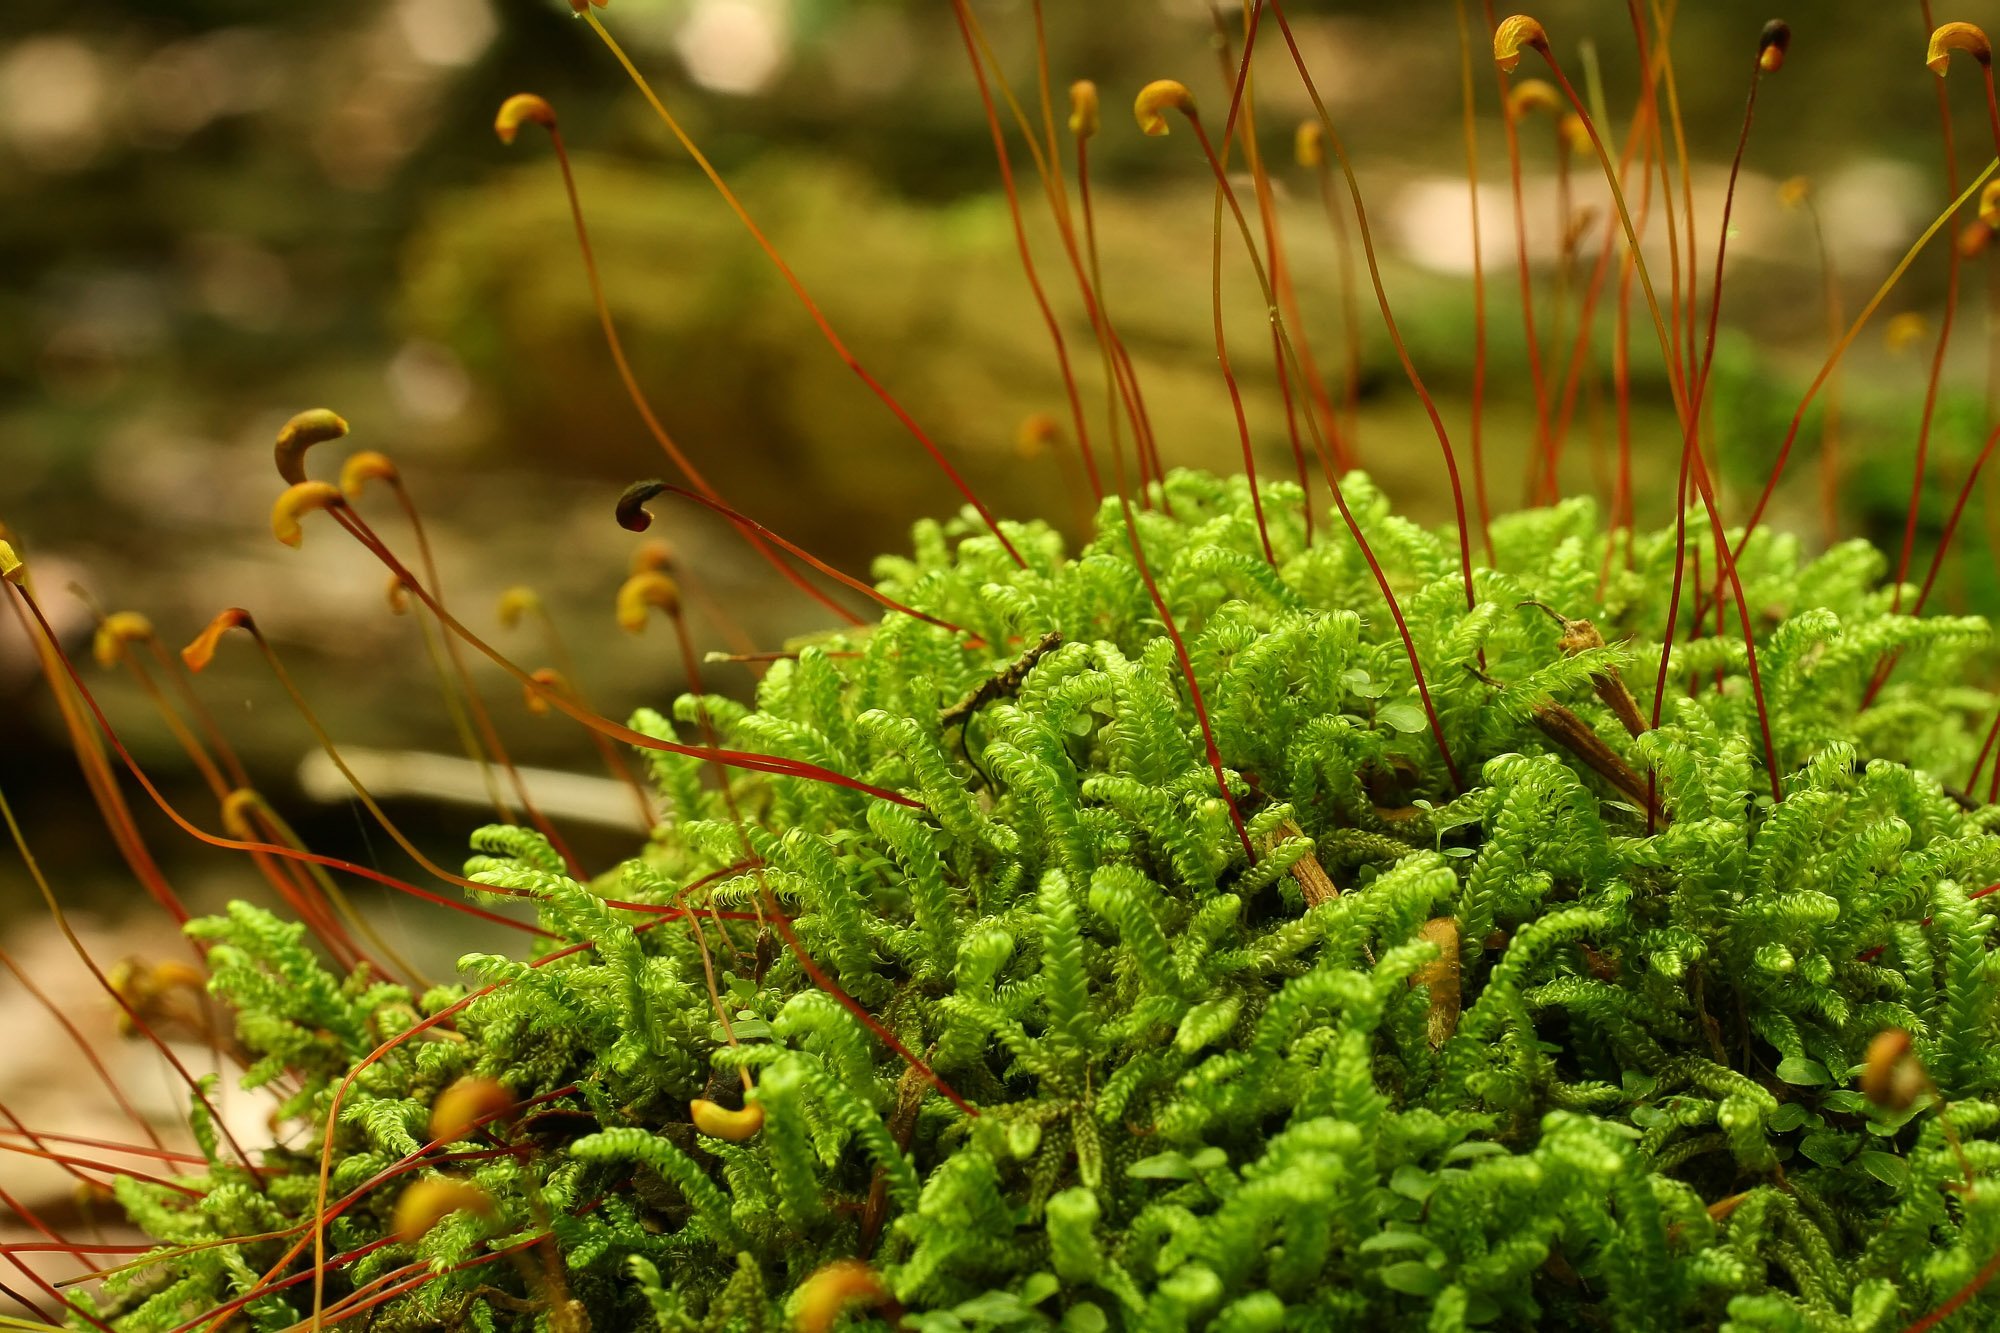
(1536, 378)
(1469, 127)
(1388, 317)
(798, 288)
(537, 110)
(1027, 254)
(1224, 191)
(633, 517)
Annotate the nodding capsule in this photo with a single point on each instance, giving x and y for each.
(428, 1202)
(1532, 95)
(1514, 35)
(11, 568)
(114, 632)
(467, 1104)
(236, 808)
(644, 591)
(1966, 37)
(199, 653)
(1084, 119)
(398, 593)
(631, 510)
(314, 426)
(829, 1293)
(519, 110)
(545, 681)
(1795, 191)
(1156, 99)
(298, 500)
(1891, 1075)
(517, 602)
(1309, 144)
(366, 466)
(1989, 204)
(1772, 43)
(1038, 431)
(719, 1122)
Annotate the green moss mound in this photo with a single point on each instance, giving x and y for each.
(1211, 1094)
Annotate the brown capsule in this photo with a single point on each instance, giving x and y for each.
(1156, 99)
(719, 1122)
(1037, 432)
(1514, 35)
(1772, 44)
(1441, 976)
(198, 654)
(631, 509)
(467, 1104)
(1892, 1076)
(428, 1202)
(315, 426)
(544, 682)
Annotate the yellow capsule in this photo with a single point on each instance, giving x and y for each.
(516, 602)
(11, 568)
(1156, 99)
(364, 467)
(1515, 34)
(398, 593)
(642, 591)
(1966, 37)
(1575, 133)
(428, 1202)
(1794, 191)
(1532, 95)
(467, 1104)
(1309, 144)
(521, 109)
(114, 632)
(651, 555)
(719, 1122)
(832, 1291)
(198, 654)
(300, 499)
(315, 426)
(1904, 330)
(236, 808)
(1989, 204)
(1084, 119)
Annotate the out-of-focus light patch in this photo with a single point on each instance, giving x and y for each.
(52, 102)
(871, 53)
(239, 282)
(96, 329)
(1871, 208)
(155, 466)
(184, 86)
(428, 383)
(735, 46)
(447, 33)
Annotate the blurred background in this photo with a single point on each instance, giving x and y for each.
(214, 213)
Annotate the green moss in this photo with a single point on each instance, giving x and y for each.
(1204, 1101)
